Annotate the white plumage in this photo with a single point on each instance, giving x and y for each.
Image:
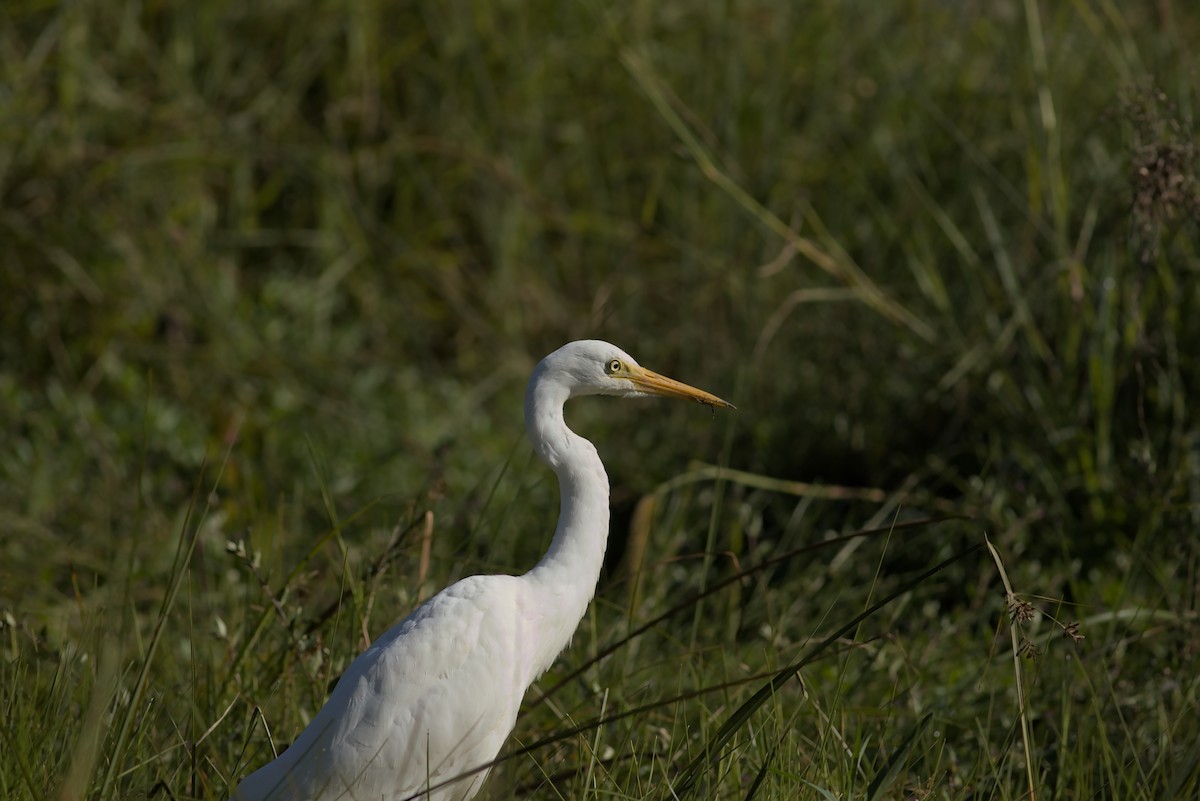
(434, 698)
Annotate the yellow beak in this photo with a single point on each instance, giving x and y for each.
(652, 383)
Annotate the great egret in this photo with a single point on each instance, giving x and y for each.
(434, 698)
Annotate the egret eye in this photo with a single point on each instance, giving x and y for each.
(614, 366)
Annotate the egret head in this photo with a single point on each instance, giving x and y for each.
(593, 367)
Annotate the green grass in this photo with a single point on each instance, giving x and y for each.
(274, 276)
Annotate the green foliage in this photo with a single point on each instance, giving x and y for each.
(274, 275)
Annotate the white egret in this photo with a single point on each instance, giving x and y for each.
(434, 698)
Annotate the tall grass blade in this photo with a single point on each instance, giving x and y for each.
(715, 747)
(843, 268)
(883, 780)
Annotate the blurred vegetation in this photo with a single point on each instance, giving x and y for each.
(274, 275)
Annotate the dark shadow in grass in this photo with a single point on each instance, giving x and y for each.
(690, 602)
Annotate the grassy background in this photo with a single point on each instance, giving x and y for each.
(274, 274)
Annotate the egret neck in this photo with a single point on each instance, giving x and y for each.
(564, 581)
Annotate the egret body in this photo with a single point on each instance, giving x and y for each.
(431, 701)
